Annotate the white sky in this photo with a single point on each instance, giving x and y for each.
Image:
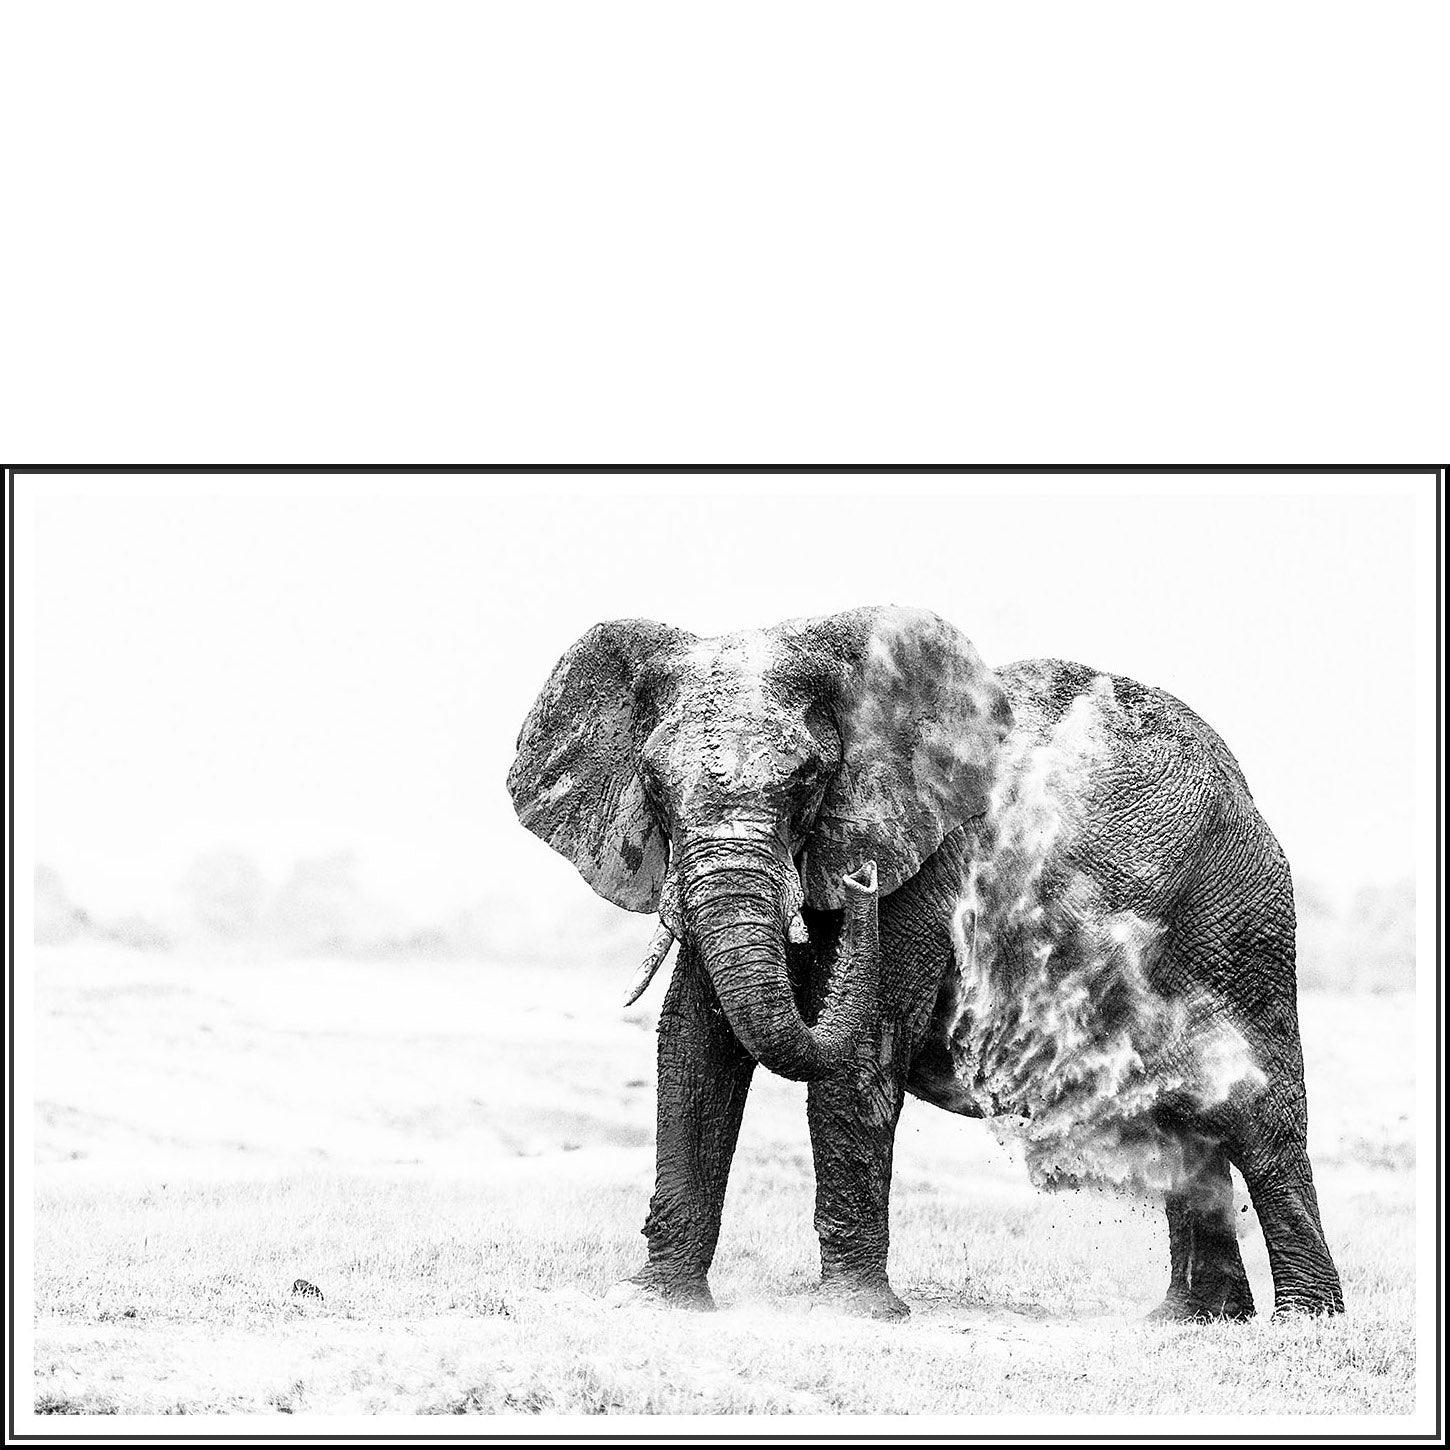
(287, 675)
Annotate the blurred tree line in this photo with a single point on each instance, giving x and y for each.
(1366, 944)
(1362, 943)
(322, 907)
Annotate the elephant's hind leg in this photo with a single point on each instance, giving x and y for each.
(1207, 1276)
(1269, 1150)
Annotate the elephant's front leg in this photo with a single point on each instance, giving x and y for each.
(704, 1076)
(853, 1117)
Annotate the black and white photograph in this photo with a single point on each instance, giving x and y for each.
(844, 953)
(724, 721)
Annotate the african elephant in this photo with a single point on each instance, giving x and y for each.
(1041, 892)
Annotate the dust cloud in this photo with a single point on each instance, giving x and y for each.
(1059, 1031)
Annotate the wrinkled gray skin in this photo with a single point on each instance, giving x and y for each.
(745, 787)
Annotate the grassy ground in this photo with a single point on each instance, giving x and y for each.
(459, 1157)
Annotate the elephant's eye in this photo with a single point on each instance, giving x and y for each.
(650, 782)
(812, 778)
(657, 798)
(811, 770)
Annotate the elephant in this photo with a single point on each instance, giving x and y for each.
(1039, 892)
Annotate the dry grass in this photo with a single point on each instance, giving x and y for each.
(460, 1158)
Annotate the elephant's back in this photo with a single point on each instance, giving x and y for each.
(1142, 786)
(1042, 692)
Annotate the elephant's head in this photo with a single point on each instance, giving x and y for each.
(726, 782)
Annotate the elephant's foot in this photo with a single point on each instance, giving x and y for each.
(1222, 1302)
(865, 1298)
(1307, 1306)
(646, 1288)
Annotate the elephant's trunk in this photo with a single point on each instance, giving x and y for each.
(735, 910)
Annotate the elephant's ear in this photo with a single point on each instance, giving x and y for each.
(574, 782)
(921, 720)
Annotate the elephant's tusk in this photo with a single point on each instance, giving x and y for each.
(797, 930)
(659, 949)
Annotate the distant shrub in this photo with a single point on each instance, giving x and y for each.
(57, 918)
(139, 933)
(1366, 945)
(226, 894)
(321, 907)
(318, 904)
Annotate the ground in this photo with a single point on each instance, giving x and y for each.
(459, 1157)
